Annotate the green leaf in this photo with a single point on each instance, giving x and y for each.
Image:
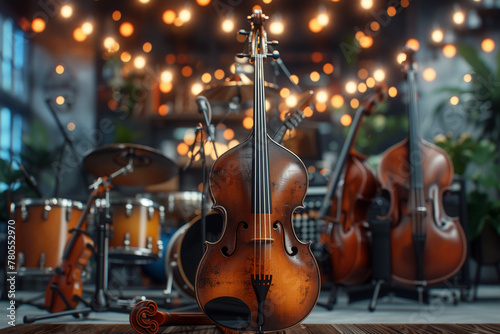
(471, 56)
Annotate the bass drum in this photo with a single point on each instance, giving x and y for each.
(185, 251)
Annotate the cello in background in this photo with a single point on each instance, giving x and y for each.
(347, 234)
(427, 246)
(258, 276)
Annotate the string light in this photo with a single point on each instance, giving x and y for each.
(139, 62)
(337, 101)
(66, 11)
(227, 25)
(78, 35)
(169, 16)
(219, 74)
(228, 134)
(449, 51)
(488, 45)
(38, 25)
(126, 29)
(454, 100)
(321, 96)
(206, 77)
(166, 87)
(379, 75)
(163, 110)
(147, 47)
(413, 44)
(277, 27)
(291, 101)
(354, 103)
(166, 76)
(125, 57)
(284, 92)
(437, 35)
(248, 122)
(87, 28)
(185, 15)
(203, 2)
(467, 78)
(182, 149)
(346, 120)
(429, 74)
(328, 68)
(351, 87)
(458, 16)
(308, 112)
(314, 25)
(314, 76)
(370, 82)
(60, 100)
(362, 87)
(196, 88)
(117, 15)
(295, 79)
(71, 126)
(59, 69)
(392, 91)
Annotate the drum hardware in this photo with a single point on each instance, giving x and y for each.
(127, 157)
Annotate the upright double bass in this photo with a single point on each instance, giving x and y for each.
(258, 276)
(345, 207)
(427, 246)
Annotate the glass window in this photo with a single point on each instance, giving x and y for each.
(5, 135)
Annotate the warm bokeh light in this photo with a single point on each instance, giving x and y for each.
(147, 47)
(87, 28)
(294, 79)
(109, 42)
(228, 134)
(314, 25)
(351, 87)
(182, 149)
(413, 44)
(71, 126)
(337, 101)
(401, 57)
(170, 58)
(139, 62)
(392, 91)
(186, 71)
(233, 143)
(370, 82)
(488, 45)
(322, 96)
(117, 15)
(126, 29)
(66, 11)
(363, 73)
(308, 112)
(328, 68)
(206, 77)
(323, 19)
(391, 11)
(316, 57)
(248, 122)
(203, 2)
(125, 57)
(185, 15)
(454, 100)
(284, 92)
(78, 35)
(227, 25)
(320, 107)
(375, 26)
(169, 16)
(163, 110)
(59, 69)
(38, 25)
(291, 101)
(166, 76)
(166, 87)
(366, 4)
(437, 35)
(366, 42)
(458, 17)
(314, 76)
(196, 88)
(219, 74)
(362, 87)
(358, 35)
(405, 3)
(429, 74)
(276, 27)
(449, 51)
(60, 100)
(346, 120)
(354, 103)
(467, 78)
(144, 1)
(379, 75)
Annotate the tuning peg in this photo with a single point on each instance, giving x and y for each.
(244, 32)
(275, 55)
(272, 43)
(242, 55)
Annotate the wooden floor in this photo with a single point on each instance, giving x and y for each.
(302, 328)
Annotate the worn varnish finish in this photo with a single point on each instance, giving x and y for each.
(299, 329)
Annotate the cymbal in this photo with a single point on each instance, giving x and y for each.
(150, 165)
(240, 87)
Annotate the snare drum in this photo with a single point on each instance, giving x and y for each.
(136, 228)
(185, 251)
(42, 227)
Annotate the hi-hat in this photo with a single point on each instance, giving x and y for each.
(239, 89)
(150, 166)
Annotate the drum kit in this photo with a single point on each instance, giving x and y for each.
(126, 230)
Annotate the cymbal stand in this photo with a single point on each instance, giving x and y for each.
(202, 131)
(100, 302)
